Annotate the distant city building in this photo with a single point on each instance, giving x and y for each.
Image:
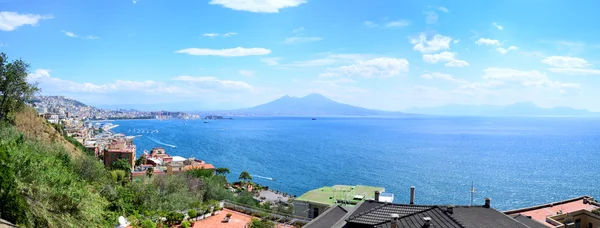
(120, 148)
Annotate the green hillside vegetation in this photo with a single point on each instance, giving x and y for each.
(47, 181)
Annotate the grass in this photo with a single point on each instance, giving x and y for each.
(330, 194)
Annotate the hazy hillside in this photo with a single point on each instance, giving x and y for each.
(310, 105)
(516, 109)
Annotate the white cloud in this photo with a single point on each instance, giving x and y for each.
(443, 9)
(435, 43)
(231, 52)
(399, 23)
(456, 41)
(70, 34)
(298, 30)
(484, 41)
(526, 78)
(301, 39)
(441, 76)
(213, 81)
(258, 6)
(389, 24)
(506, 50)
(229, 34)
(271, 61)
(247, 73)
(566, 62)
(326, 59)
(91, 37)
(445, 56)
(10, 21)
(575, 71)
(217, 34)
(378, 67)
(431, 17)
(499, 27)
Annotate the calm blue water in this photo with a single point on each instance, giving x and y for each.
(517, 162)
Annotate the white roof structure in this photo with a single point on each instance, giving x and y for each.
(178, 159)
(386, 197)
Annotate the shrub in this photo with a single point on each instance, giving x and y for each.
(192, 213)
(148, 224)
(185, 224)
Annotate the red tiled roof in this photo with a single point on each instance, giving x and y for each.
(541, 212)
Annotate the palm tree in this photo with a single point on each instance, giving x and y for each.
(245, 176)
(150, 172)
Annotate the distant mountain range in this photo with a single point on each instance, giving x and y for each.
(310, 105)
(516, 109)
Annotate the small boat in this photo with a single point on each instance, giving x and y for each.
(314, 118)
(206, 121)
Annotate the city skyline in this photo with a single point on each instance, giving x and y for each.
(385, 55)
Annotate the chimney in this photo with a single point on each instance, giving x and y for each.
(395, 220)
(450, 209)
(487, 203)
(412, 194)
(377, 196)
(427, 221)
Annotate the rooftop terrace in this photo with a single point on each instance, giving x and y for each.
(331, 195)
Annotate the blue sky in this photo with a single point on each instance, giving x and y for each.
(389, 55)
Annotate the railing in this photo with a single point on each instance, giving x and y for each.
(281, 218)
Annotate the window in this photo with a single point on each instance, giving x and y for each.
(315, 212)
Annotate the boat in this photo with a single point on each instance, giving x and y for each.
(206, 121)
(314, 118)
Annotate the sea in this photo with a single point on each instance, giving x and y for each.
(517, 162)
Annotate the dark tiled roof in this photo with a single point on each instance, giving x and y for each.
(372, 212)
(474, 217)
(528, 221)
(377, 214)
(328, 218)
(439, 219)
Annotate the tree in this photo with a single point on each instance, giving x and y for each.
(198, 173)
(150, 172)
(140, 161)
(192, 213)
(121, 164)
(222, 171)
(14, 88)
(245, 176)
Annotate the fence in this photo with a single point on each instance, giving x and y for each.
(281, 218)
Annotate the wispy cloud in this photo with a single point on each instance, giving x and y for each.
(499, 27)
(566, 62)
(9, 21)
(301, 39)
(74, 35)
(431, 17)
(435, 43)
(298, 30)
(271, 61)
(389, 24)
(485, 41)
(449, 57)
(246, 73)
(70, 34)
(229, 34)
(258, 6)
(378, 67)
(443, 9)
(506, 50)
(231, 52)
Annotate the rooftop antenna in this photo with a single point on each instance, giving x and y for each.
(472, 192)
